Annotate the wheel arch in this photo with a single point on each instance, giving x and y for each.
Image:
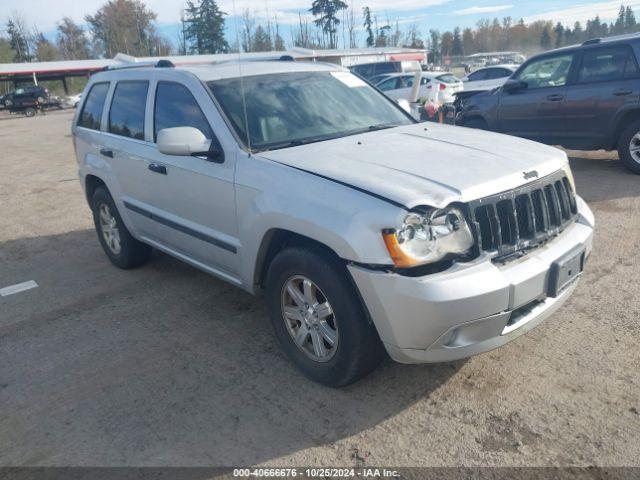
(274, 241)
(91, 184)
(621, 123)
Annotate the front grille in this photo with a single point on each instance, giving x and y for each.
(515, 221)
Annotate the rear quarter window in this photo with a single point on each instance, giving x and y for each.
(91, 114)
(126, 116)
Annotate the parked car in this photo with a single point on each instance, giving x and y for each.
(369, 70)
(72, 101)
(364, 230)
(488, 78)
(400, 85)
(583, 97)
(26, 94)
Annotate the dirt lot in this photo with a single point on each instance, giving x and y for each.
(165, 365)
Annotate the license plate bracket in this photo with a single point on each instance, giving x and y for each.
(565, 270)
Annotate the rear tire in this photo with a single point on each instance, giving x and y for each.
(629, 147)
(123, 250)
(30, 112)
(356, 350)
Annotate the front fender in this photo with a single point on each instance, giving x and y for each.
(274, 196)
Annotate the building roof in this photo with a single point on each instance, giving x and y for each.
(44, 70)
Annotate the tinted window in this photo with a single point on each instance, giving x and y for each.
(606, 64)
(477, 76)
(496, 73)
(547, 72)
(91, 115)
(126, 116)
(176, 107)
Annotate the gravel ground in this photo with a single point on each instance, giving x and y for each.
(165, 365)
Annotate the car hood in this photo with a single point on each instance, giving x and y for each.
(425, 164)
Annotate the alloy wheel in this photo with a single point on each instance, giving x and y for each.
(309, 318)
(109, 227)
(634, 147)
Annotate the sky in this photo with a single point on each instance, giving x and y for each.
(426, 14)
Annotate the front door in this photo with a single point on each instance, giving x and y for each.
(193, 198)
(536, 111)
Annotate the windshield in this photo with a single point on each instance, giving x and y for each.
(288, 109)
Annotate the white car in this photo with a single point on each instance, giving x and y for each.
(363, 230)
(438, 85)
(488, 78)
(72, 101)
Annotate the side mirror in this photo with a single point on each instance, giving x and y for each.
(513, 86)
(404, 104)
(188, 141)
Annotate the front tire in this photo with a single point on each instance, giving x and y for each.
(123, 250)
(629, 147)
(318, 317)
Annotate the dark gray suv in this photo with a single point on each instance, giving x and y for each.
(585, 97)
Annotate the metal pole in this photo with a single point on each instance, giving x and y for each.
(35, 79)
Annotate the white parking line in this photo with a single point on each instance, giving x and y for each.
(17, 288)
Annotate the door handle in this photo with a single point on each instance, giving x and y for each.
(555, 98)
(161, 169)
(621, 92)
(106, 152)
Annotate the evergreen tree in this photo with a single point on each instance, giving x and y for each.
(630, 25)
(205, 25)
(261, 41)
(326, 12)
(368, 26)
(545, 39)
(45, 51)
(559, 31)
(18, 41)
(618, 27)
(457, 48)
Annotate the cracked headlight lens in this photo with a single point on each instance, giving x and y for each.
(428, 237)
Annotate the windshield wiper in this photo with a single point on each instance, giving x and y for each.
(381, 126)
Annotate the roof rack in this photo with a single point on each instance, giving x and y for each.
(592, 41)
(163, 63)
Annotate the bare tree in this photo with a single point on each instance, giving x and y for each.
(72, 41)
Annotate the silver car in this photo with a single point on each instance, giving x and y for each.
(365, 231)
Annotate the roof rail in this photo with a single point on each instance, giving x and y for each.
(159, 64)
(592, 41)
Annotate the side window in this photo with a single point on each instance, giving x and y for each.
(607, 64)
(126, 116)
(424, 80)
(496, 73)
(477, 76)
(389, 84)
(176, 107)
(92, 109)
(547, 72)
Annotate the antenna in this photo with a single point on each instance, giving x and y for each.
(244, 99)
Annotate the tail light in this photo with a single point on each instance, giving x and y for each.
(442, 86)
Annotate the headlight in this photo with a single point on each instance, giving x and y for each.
(428, 237)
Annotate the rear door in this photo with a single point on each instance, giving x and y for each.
(537, 110)
(606, 85)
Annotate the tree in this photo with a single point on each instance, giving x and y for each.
(6, 53)
(205, 25)
(434, 46)
(618, 27)
(559, 32)
(72, 41)
(446, 45)
(326, 11)
(45, 51)
(368, 26)
(19, 39)
(630, 25)
(261, 40)
(468, 42)
(456, 47)
(124, 26)
(545, 39)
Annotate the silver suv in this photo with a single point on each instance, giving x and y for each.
(366, 231)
